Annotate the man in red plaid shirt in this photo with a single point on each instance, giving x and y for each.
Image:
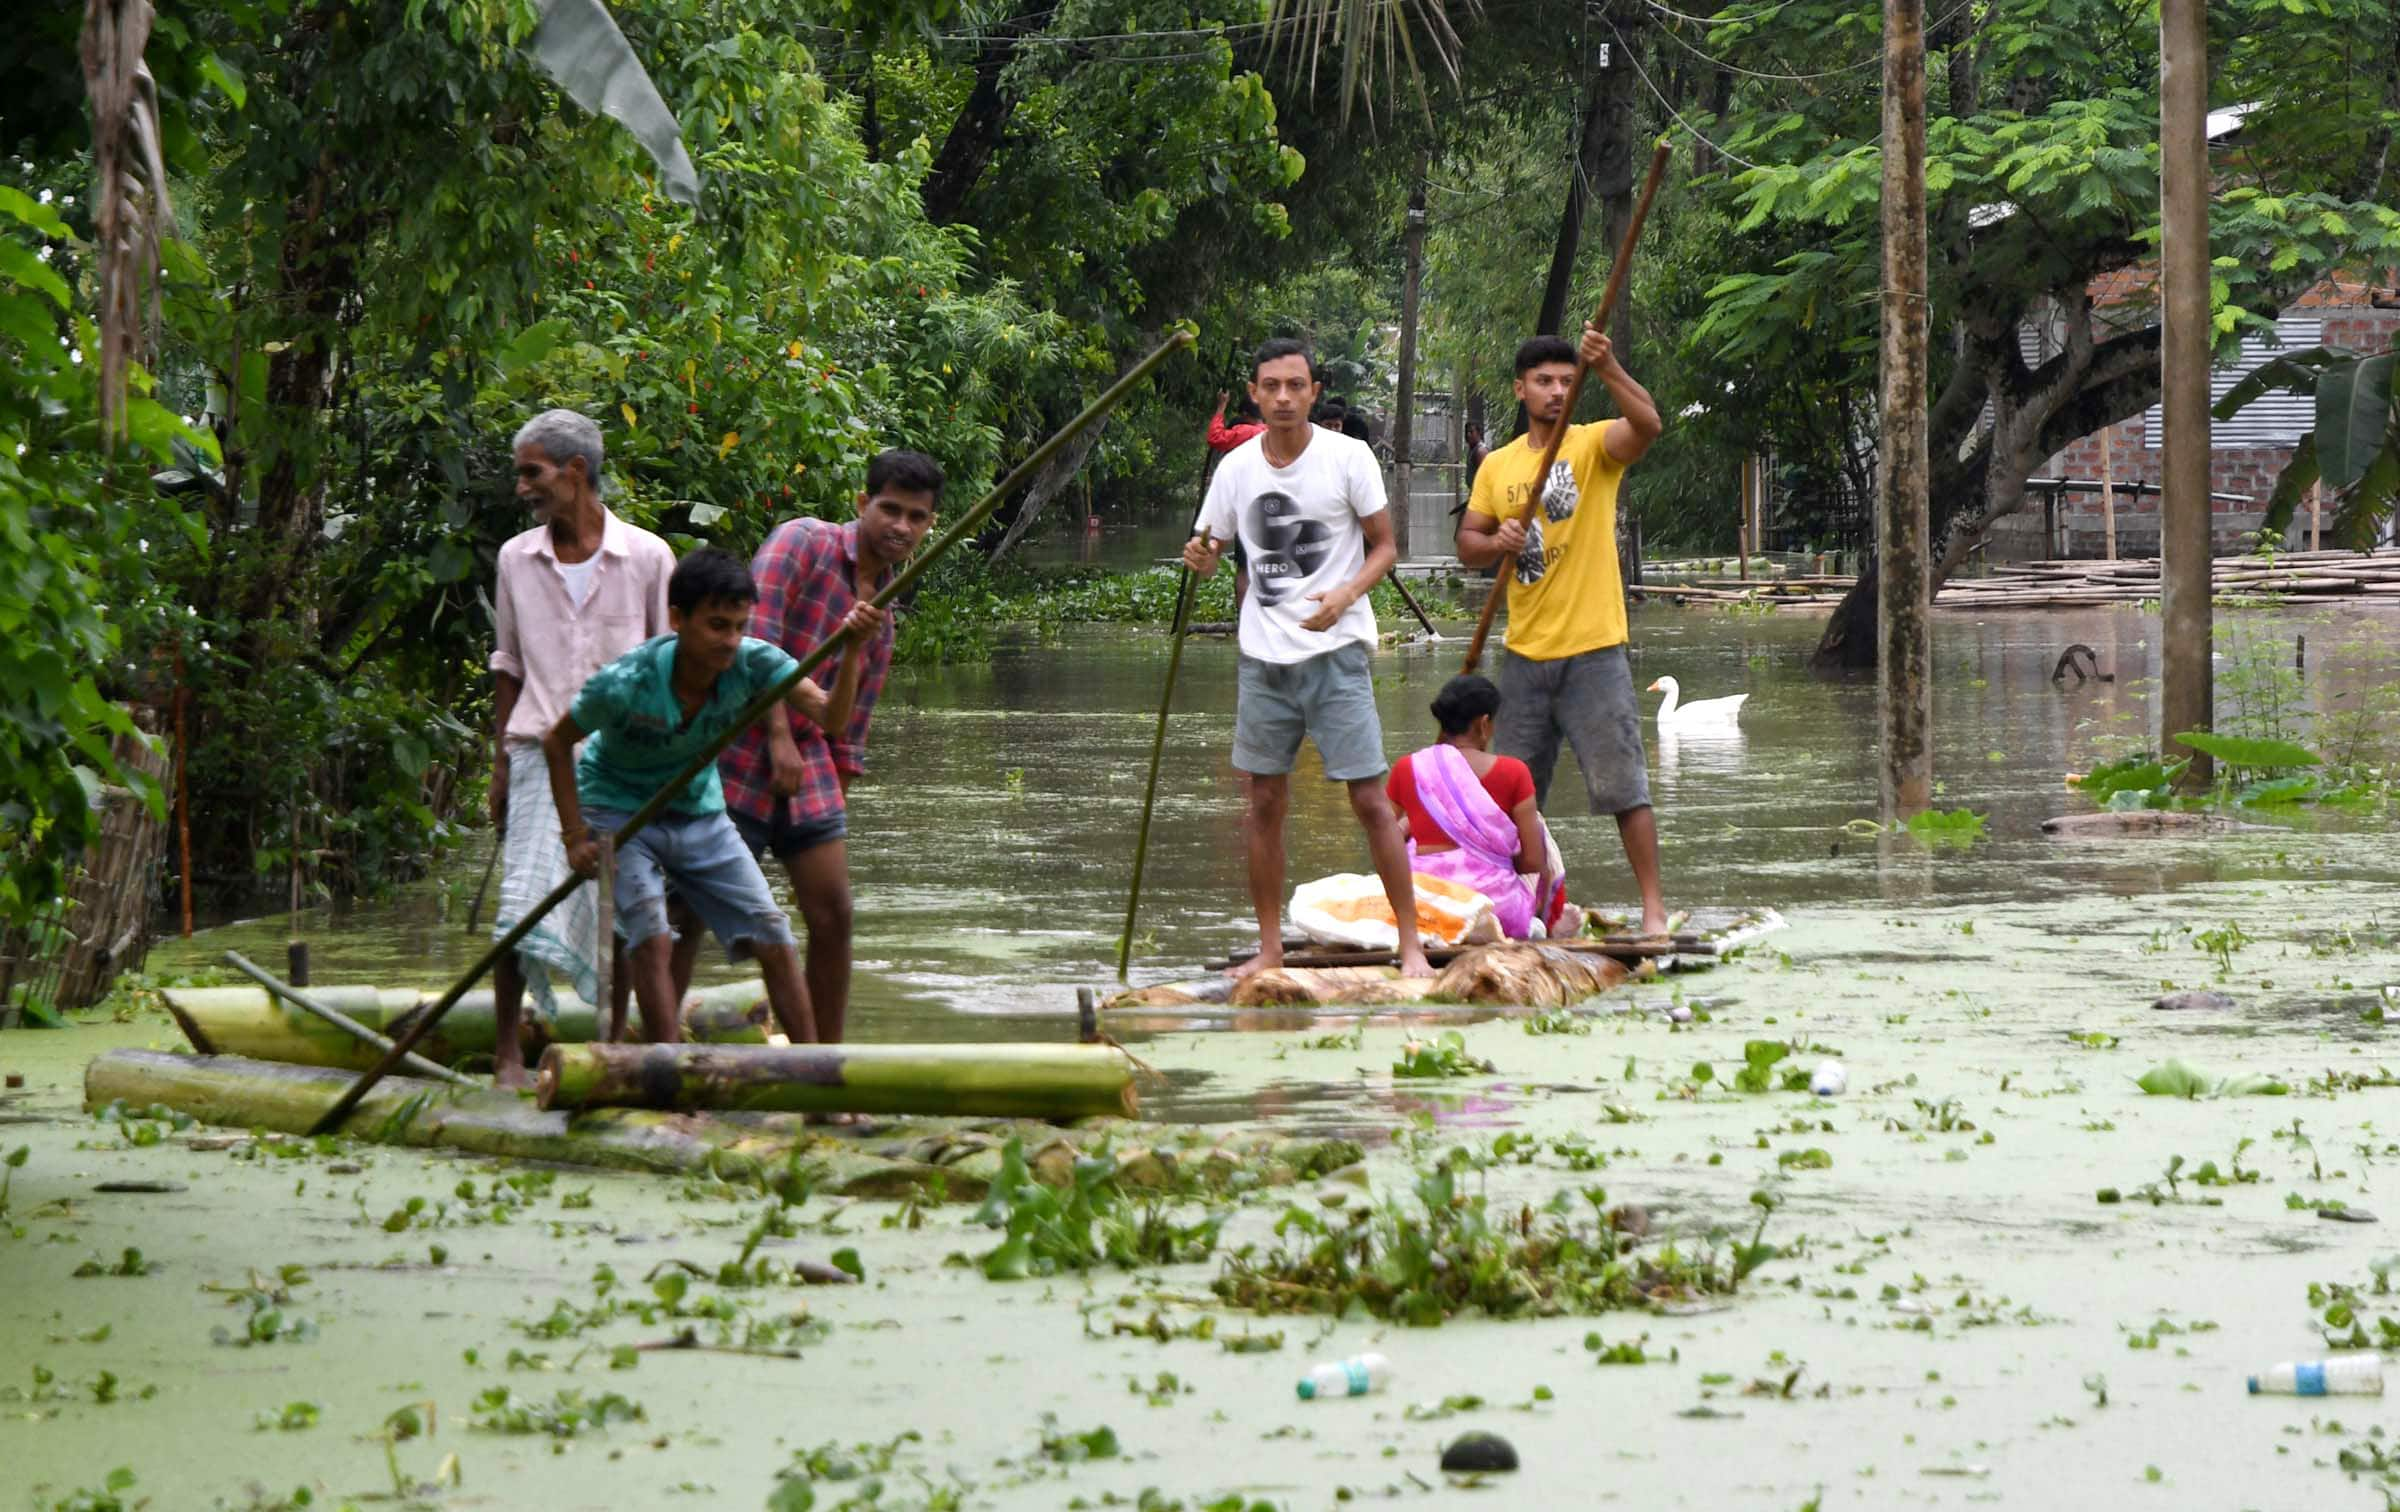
(784, 779)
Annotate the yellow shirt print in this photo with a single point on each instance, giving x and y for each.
(1567, 596)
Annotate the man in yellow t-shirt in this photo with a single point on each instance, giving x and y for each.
(1565, 672)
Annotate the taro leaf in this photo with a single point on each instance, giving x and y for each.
(579, 46)
(2249, 750)
(2354, 411)
(2296, 478)
(2297, 789)
(2174, 1079)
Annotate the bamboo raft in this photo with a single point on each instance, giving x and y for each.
(942, 1159)
(1470, 982)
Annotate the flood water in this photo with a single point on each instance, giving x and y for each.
(991, 844)
(2002, 1273)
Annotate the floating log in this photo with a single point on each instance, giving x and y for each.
(230, 1091)
(1006, 1081)
(250, 1021)
(952, 1160)
(2110, 825)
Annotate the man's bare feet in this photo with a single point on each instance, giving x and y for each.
(1414, 964)
(1654, 923)
(1269, 958)
(511, 1077)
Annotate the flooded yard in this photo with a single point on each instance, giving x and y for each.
(2003, 1273)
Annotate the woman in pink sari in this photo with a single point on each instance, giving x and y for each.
(1471, 816)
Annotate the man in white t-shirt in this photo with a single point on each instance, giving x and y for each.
(1307, 506)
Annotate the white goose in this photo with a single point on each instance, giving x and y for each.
(1707, 713)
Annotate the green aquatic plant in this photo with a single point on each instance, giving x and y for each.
(1445, 1055)
(1444, 1251)
(566, 1415)
(1091, 1220)
(2222, 942)
(2174, 1078)
(2139, 781)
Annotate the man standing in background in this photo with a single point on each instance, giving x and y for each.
(577, 591)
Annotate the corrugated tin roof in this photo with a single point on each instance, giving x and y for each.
(2274, 420)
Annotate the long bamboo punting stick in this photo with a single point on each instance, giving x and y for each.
(1158, 747)
(1566, 416)
(757, 707)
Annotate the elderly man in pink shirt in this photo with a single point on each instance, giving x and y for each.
(577, 591)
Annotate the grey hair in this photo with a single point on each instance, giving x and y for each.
(563, 434)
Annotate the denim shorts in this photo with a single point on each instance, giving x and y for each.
(711, 871)
(1330, 698)
(784, 837)
(1587, 699)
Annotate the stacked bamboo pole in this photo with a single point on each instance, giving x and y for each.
(2076, 584)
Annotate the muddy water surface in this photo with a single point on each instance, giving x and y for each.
(1951, 1282)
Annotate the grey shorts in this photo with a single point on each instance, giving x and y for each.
(1589, 700)
(710, 869)
(1330, 698)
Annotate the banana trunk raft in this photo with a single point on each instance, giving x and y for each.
(253, 1022)
(948, 1159)
(1005, 1081)
(1470, 982)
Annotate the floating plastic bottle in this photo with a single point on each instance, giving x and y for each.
(1829, 1079)
(1355, 1376)
(2339, 1375)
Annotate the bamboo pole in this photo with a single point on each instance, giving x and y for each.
(339, 1020)
(1158, 748)
(976, 1081)
(758, 706)
(2108, 491)
(1741, 529)
(1414, 607)
(1533, 496)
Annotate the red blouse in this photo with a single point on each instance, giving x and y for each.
(1510, 782)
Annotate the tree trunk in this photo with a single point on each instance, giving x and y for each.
(1049, 483)
(975, 133)
(979, 1081)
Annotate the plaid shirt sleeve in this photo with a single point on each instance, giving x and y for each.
(790, 612)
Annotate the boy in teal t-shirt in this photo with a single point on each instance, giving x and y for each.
(648, 713)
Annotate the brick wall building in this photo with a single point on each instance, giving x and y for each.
(2247, 454)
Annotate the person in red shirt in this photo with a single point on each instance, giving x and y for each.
(1471, 817)
(1224, 438)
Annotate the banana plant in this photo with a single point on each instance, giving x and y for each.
(2354, 449)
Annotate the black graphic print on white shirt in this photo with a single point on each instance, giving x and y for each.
(1292, 547)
